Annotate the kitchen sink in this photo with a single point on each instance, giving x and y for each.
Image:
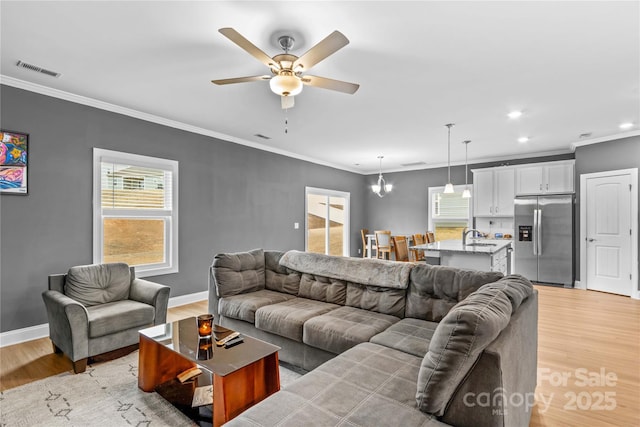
(480, 244)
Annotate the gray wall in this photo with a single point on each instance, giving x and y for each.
(606, 156)
(405, 209)
(232, 197)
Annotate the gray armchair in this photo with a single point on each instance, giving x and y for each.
(94, 309)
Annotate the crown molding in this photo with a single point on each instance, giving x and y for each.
(102, 105)
(582, 143)
(475, 161)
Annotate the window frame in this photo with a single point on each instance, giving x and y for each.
(169, 215)
(456, 189)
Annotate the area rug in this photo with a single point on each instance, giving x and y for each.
(107, 394)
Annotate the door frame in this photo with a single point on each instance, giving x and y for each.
(346, 242)
(633, 174)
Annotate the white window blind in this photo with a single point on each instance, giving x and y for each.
(450, 206)
(133, 187)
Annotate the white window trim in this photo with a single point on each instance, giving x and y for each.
(346, 251)
(171, 230)
(456, 189)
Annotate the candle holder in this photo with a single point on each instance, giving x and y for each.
(205, 325)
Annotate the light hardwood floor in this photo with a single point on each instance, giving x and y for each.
(582, 334)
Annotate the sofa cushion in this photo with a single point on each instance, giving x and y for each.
(277, 277)
(244, 306)
(376, 298)
(117, 316)
(286, 318)
(365, 271)
(434, 289)
(408, 335)
(323, 289)
(344, 327)
(369, 385)
(237, 273)
(98, 283)
(462, 335)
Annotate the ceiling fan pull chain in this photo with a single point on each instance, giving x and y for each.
(286, 121)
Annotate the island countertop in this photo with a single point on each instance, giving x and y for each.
(486, 246)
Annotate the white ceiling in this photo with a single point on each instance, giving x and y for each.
(571, 67)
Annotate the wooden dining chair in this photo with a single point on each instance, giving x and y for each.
(418, 239)
(383, 243)
(401, 248)
(365, 247)
(430, 237)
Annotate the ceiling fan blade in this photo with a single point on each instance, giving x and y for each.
(240, 80)
(245, 44)
(325, 83)
(330, 45)
(287, 102)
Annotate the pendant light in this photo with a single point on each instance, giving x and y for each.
(466, 194)
(381, 188)
(448, 189)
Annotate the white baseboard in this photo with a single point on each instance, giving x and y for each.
(188, 299)
(18, 336)
(578, 285)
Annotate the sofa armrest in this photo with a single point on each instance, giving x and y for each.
(68, 324)
(505, 375)
(154, 294)
(213, 294)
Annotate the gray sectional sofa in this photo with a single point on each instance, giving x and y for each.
(386, 343)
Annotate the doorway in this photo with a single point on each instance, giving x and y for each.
(608, 235)
(327, 221)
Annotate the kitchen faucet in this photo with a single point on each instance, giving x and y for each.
(465, 232)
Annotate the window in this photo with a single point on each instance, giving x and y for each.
(327, 221)
(135, 211)
(449, 214)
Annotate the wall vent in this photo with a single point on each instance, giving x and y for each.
(38, 69)
(413, 164)
(259, 135)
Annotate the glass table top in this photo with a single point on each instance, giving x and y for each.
(182, 337)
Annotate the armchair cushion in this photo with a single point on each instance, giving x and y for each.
(105, 319)
(98, 284)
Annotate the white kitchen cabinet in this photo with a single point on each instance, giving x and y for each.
(494, 190)
(545, 178)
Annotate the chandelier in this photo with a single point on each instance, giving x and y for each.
(381, 188)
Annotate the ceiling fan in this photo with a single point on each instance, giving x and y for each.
(287, 70)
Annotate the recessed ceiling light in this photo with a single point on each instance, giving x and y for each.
(514, 114)
(626, 126)
(523, 139)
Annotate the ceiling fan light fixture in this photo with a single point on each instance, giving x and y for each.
(285, 85)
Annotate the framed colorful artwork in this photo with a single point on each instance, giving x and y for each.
(13, 162)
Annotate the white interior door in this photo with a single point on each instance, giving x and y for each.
(608, 234)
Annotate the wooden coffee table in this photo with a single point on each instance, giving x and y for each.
(242, 375)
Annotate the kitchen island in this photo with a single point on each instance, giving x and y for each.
(480, 254)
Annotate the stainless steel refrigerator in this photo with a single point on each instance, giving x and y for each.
(543, 238)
